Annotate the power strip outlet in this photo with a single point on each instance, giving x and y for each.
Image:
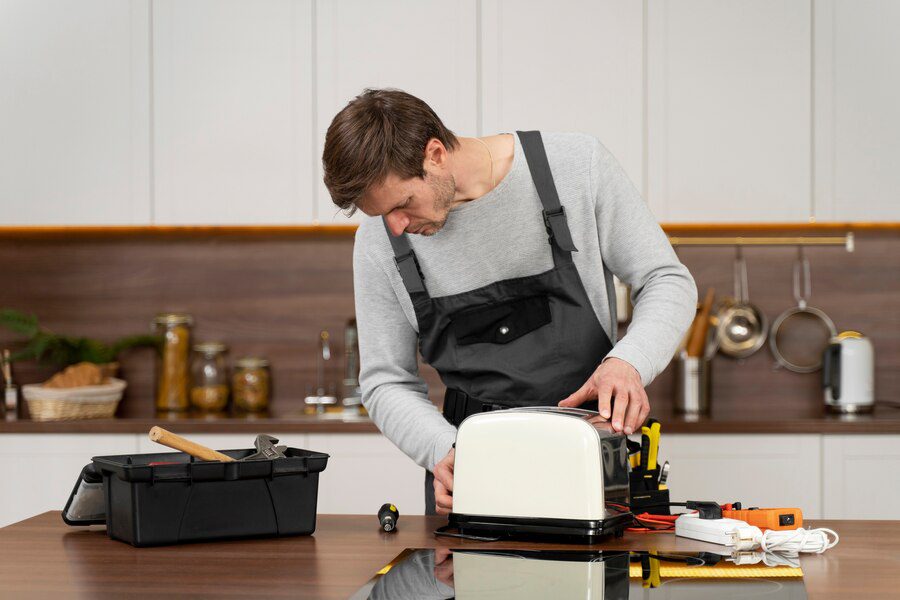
(717, 531)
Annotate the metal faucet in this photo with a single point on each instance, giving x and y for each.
(323, 356)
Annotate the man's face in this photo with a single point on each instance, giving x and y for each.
(412, 205)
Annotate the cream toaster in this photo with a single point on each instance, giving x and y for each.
(540, 471)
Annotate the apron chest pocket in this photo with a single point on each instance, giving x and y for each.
(500, 323)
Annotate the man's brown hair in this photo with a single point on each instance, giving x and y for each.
(379, 132)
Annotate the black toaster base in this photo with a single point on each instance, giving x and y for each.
(571, 530)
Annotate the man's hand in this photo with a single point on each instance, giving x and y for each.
(614, 378)
(443, 566)
(443, 483)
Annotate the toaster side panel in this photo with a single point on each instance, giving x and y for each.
(529, 465)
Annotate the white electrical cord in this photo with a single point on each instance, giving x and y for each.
(789, 542)
(770, 559)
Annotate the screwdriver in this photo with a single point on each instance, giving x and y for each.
(388, 515)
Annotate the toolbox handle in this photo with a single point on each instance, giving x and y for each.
(90, 477)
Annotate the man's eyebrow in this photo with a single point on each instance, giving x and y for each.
(403, 202)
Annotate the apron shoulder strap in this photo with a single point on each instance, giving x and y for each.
(407, 263)
(554, 213)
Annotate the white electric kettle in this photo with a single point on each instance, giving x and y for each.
(849, 373)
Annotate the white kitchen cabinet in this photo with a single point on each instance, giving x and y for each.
(575, 67)
(38, 471)
(756, 470)
(857, 92)
(424, 47)
(828, 476)
(233, 125)
(860, 476)
(365, 471)
(729, 110)
(74, 112)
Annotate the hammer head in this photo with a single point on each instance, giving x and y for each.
(266, 448)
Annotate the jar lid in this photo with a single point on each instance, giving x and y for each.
(251, 362)
(210, 347)
(174, 319)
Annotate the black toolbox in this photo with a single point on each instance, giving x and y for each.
(169, 498)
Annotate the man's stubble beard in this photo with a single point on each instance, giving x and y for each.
(444, 193)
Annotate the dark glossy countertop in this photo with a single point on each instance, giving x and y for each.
(43, 558)
(884, 420)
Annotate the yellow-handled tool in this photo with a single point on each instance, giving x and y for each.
(653, 433)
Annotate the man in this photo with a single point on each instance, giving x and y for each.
(505, 285)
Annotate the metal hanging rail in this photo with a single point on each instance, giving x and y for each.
(846, 240)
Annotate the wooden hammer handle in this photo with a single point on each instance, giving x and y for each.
(167, 438)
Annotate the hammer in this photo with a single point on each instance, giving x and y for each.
(265, 447)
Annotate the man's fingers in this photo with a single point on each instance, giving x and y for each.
(604, 394)
(633, 417)
(645, 407)
(579, 397)
(642, 418)
(443, 500)
(444, 476)
(443, 504)
(618, 416)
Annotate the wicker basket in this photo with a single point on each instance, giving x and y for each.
(84, 402)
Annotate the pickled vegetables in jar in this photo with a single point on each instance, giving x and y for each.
(251, 384)
(172, 370)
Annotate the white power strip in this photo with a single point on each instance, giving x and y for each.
(742, 537)
(717, 531)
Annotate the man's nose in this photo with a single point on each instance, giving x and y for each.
(397, 223)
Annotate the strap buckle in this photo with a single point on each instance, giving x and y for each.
(410, 272)
(558, 229)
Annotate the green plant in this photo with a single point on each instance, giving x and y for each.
(47, 347)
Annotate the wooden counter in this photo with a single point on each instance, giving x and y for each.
(42, 557)
(885, 419)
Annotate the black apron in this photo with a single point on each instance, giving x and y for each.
(528, 341)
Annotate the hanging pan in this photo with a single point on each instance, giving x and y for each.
(742, 326)
(801, 334)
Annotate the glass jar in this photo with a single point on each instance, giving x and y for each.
(172, 378)
(251, 384)
(209, 377)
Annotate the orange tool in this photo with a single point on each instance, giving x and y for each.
(768, 518)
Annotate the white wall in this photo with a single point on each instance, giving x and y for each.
(214, 111)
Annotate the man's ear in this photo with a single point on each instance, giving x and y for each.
(436, 154)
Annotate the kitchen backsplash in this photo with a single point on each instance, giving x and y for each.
(271, 294)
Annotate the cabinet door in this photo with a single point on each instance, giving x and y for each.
(424, 47)
(857, 92)
(728, 110)
(39, 470)
(232, 97)
(74, 112)
(756, 470)
(574, 67)
(861, 476)
(365, 471)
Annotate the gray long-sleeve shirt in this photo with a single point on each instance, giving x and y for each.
(501, 236)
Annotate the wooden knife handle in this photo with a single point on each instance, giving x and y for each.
(167, 438)
(697, 342)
